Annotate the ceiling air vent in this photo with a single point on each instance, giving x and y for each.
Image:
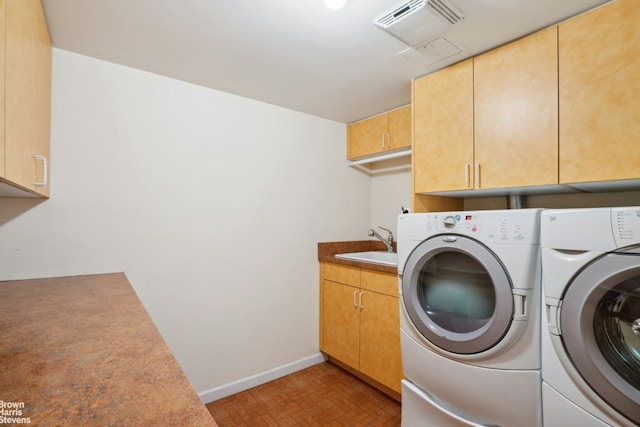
(446, 11)
(417, 21)
(403, 11)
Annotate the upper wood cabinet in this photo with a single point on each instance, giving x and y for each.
(516, 113)
(385, 132)
(599, 67)
(489, 122)
(26, 97)
(443, 129)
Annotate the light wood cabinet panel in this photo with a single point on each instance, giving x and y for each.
(380, 356)
(399, 128)
(443, 130)
(384, 283)
(27, 95)
(516, 113)
(367, 136)
(341, 322)
(360, 324)
(385, 132)
(599, 67)
(427, 203)
(342, 274)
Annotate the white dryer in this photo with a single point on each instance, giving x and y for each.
(591, 330)
(470, 318)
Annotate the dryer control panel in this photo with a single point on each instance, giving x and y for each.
(507, 226)
(519, 226)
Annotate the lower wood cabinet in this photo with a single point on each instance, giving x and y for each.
(360, 321)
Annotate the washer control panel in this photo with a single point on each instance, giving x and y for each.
(625, 224)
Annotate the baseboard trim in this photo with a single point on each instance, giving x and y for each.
(243, 384)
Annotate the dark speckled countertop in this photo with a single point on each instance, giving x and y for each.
(82, 351)
(328, 250)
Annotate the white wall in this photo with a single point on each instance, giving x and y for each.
(212, 204)
(389, 193)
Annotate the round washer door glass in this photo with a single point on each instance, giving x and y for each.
(600, 326)
(457, 294)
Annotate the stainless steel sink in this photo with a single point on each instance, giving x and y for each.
(374, 257)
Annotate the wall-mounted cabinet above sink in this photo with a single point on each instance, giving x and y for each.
(381, 143)
(380, 134)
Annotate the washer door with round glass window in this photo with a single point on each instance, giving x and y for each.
(457, 294)
(600, 329)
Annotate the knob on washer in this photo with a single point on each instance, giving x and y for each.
(449, 221)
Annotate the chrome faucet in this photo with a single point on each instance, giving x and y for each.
(388, 241)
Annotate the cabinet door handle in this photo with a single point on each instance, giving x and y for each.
(477, 178)
(383, 141)
(466, 174)
(355, 298)
(43, 183)
(389, 141)
(360, 301)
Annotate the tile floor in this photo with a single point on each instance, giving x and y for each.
(322, 395)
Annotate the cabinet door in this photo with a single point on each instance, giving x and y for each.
(380, 282)
(344, 274)
(516, 113)
(443, 126)
(27, 94)
(380, 356)
(599, 66)
(368, 136)
(399, 128)
(341, 322)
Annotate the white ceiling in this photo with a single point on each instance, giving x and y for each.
(293, 53)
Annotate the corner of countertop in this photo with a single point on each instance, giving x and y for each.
(328, 250)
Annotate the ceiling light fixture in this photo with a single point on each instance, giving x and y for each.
(334, 4)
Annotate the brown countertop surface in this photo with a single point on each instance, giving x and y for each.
(82, 351)
(328, 250)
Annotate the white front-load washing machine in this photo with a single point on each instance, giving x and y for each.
(591, 323)
(470, 318)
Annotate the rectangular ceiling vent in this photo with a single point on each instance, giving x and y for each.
(446, 11)
(400, 13)
(418, 21)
